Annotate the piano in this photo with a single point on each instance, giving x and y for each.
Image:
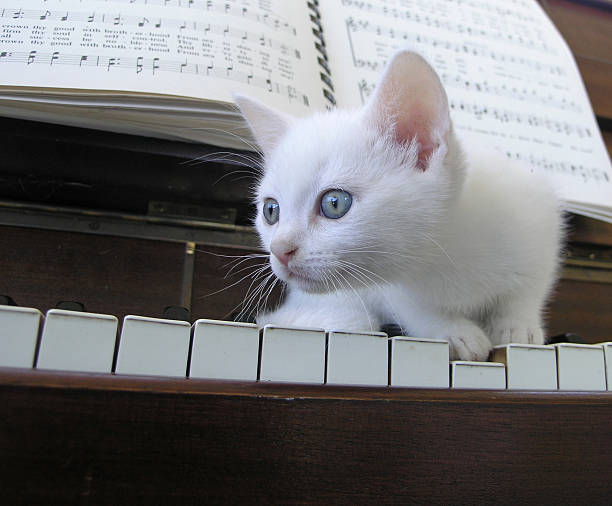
(78, 227)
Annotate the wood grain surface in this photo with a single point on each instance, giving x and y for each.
(74, 439)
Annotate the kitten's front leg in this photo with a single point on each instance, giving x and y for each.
(332, 311)
(516, 321)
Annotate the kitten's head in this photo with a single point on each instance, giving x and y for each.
(350, 198)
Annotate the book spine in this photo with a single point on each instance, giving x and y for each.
(325, 73)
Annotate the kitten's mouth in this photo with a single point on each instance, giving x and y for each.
(301, 278)
(306, 283)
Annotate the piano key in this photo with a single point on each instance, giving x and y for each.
(19, 328)
(580, 367)
(7, 300)
(479, 375)
(70, 305)
(77, 341)
(177, 313)
(528, 366)
(153, 346)
(357, 358)
(292, 354)
(224, 350)
(607, 348)
(417, 362)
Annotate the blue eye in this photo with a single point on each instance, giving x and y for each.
(335, 203)
(271, 211)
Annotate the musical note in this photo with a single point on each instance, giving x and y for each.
(510, 116)
(363, 25)
(181, 24)
(502, 90)
(111, 62)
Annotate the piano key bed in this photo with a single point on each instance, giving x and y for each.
(83, 342)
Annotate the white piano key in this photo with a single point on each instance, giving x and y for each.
(19, 328)
(357, 358)
(480, 375)
(77, 341)
(417, 362)
(224, 350)
(580, 366)
(607, 348)
(528, 366)
(292, 354)
(153, 346)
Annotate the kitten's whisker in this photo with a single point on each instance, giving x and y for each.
(232, 271)
(255, 297)
(242, 139)
(378, 287)
(257, 292)
(258, 278)
(231, 174)
(364, 270)
(440, 247)
(226, 287)
(227, 156)
(267, 296)
(249, 255)
(367, 313)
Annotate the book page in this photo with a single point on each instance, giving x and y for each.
(200, 49)
(511, 80)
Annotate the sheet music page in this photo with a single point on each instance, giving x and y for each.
(203, 49)
(511, 80)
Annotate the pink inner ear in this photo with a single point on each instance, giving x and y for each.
(411, 90)
(406, 131)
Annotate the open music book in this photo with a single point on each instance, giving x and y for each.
(167, 68)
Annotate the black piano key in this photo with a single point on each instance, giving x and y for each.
(70, 305)
(177, 313)
(568, 337)
(6, 300)
(392, 329)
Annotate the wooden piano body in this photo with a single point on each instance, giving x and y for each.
(78, 439)
(70, 438)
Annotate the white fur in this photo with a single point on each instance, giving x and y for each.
(465, 250)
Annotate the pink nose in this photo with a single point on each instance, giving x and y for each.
(283, 254)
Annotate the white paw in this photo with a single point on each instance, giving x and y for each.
(473, 346)
(515, 332)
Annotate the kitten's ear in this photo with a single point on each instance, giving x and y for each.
(266, 124)
(411, 100)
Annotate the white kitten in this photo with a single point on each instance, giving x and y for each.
(377, 215)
